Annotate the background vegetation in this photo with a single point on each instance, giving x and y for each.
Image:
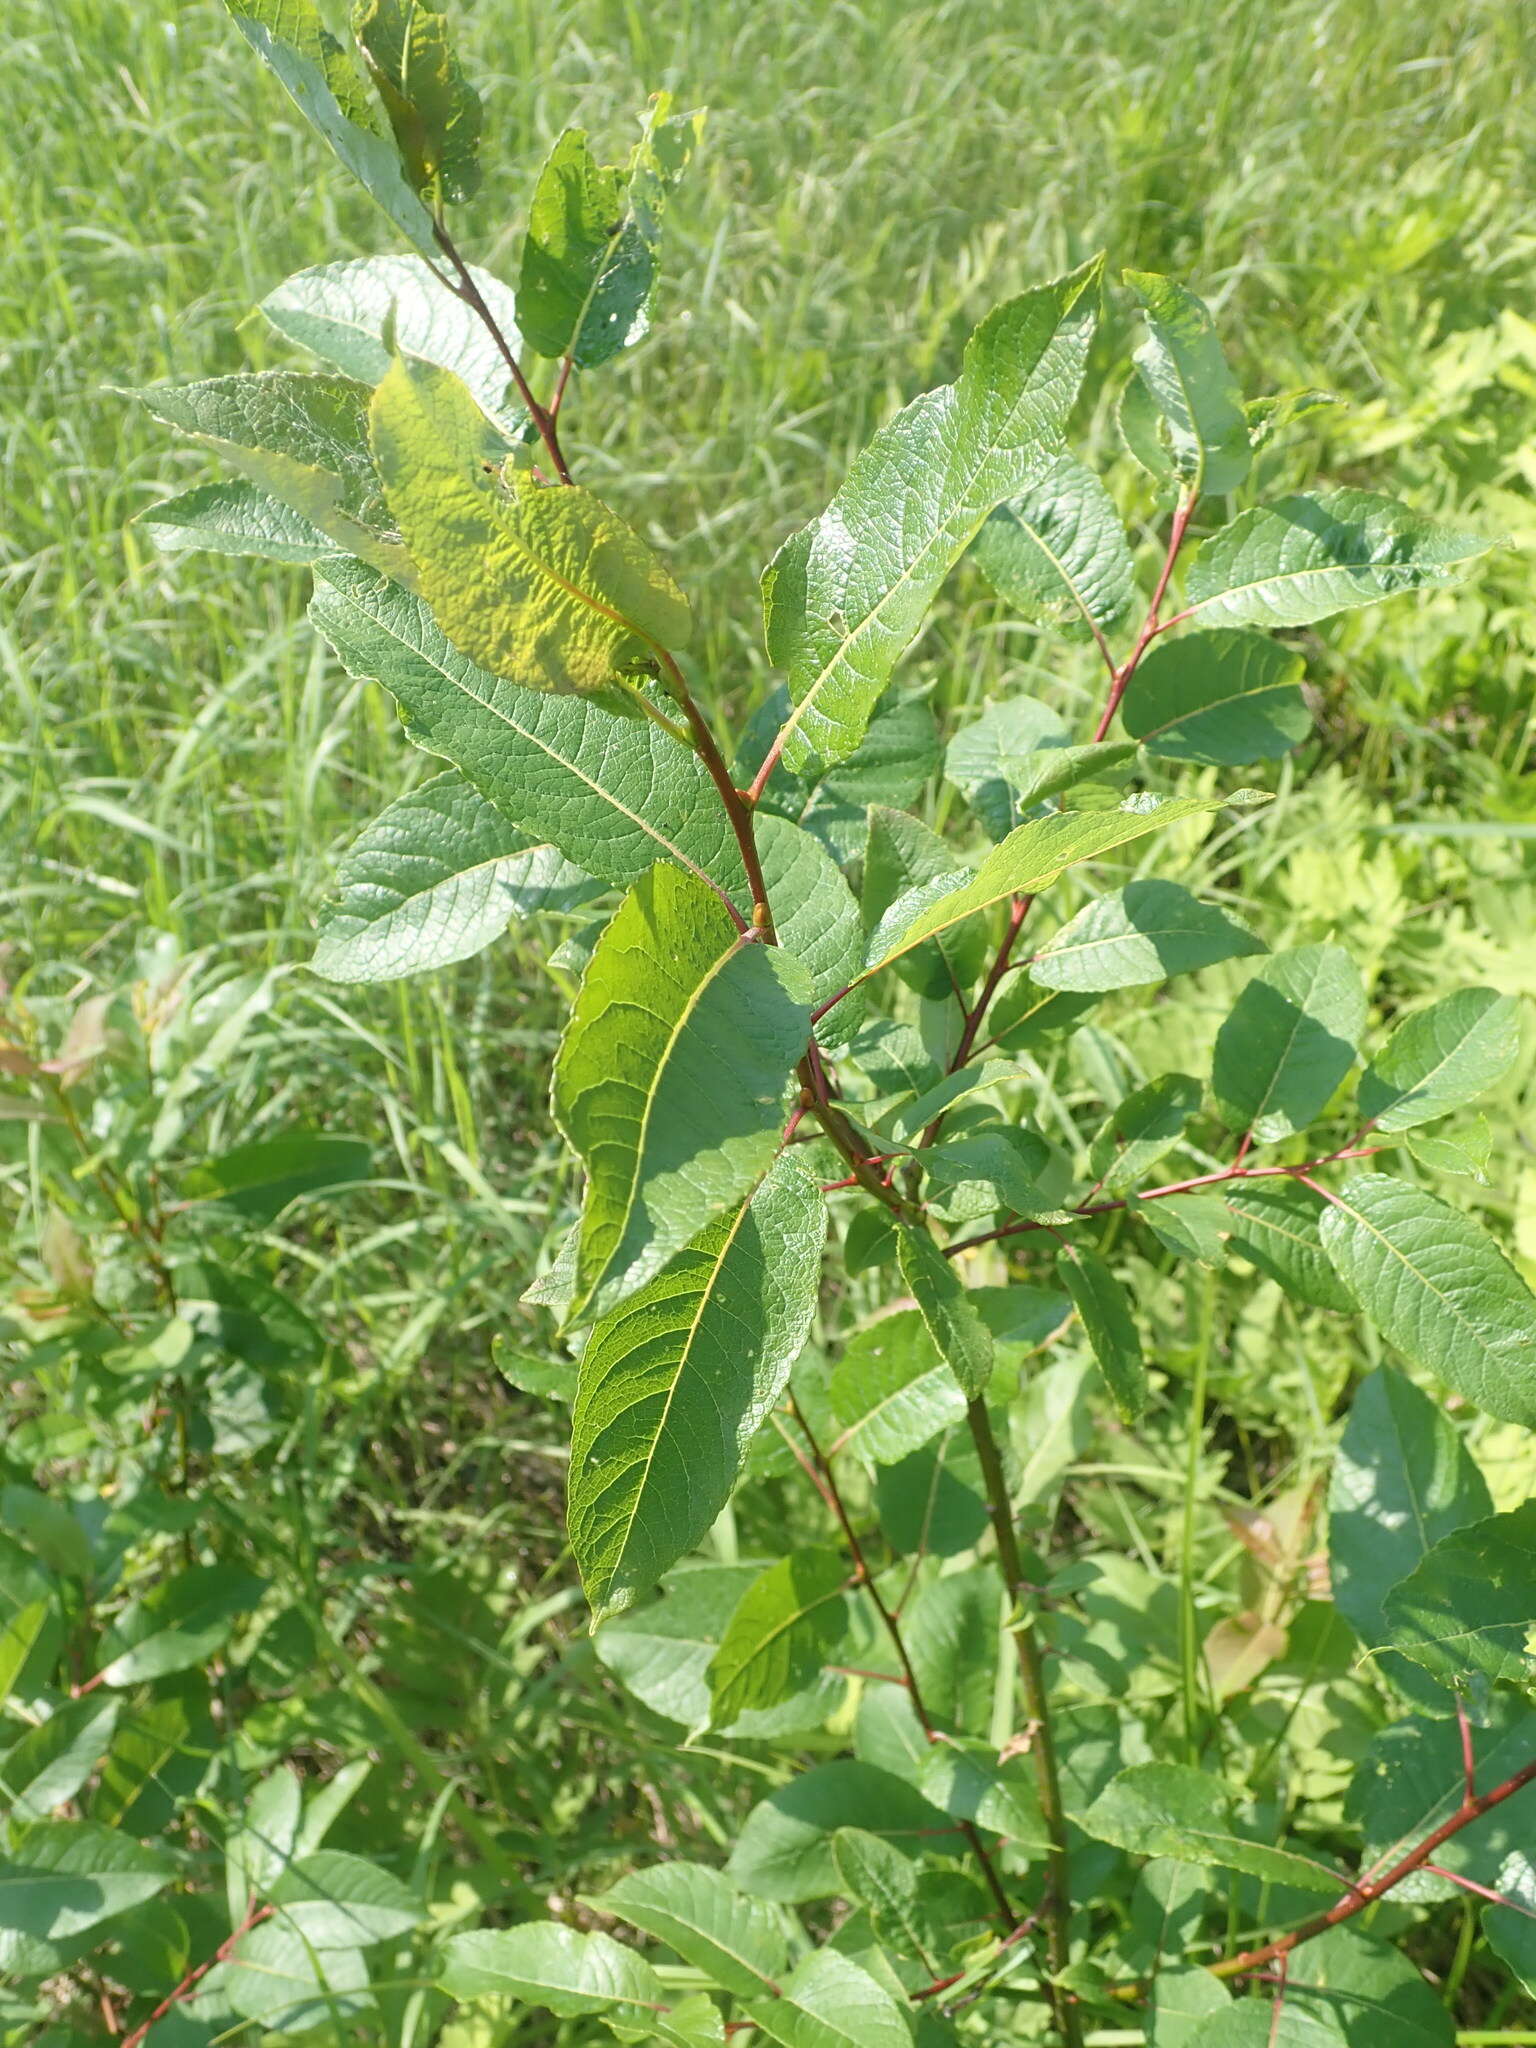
(1351, 189)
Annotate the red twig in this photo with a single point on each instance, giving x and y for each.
(1483, 1891)
(194, 1977)
(1181, 1187)
(1149, 630)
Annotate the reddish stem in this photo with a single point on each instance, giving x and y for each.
(1148, 633)
(194, 1977)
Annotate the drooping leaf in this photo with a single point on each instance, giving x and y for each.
(540, 584)
(546, 1964)
(670, 1077)
(1289, 1041)
(1468, 1608)
(1223, 698)
(1437, 1286)
(897, 756)
(589, 259)
(260, 1179)
(1057, 552)
(1003, 1164)
(303, 439)
(615, 795)
(1179, 2001)
(830, 2002)
(845, 596)
(341, 312)
(784, 1629)
(1142, 933)
(674, 1383)
(179, 1623)
(434, 879)
(1191, 1226)
(989, 755)
(1186, 376)
(1033, 856)
(1441, 1058)
(816, 918)
(1147, 1124)
(1105, 1309)
(962, 1338)
(321, 80)
(892, 1391)
(738, 1942)
(1174, 1810)
(1278, 1225)
(1309, 556)
(1402, 1480)
(784, 1850)
(951, 1633)
(233, 519)
(433, 109)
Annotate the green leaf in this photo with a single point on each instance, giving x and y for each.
(278, 1978)
(301, 438)
(1026, 1019)
(1466, 1151)
(318, 76)
(962, 1338)
(545, 1964)
(1468, 1609)
(50, 1528)
(784, 1850)
(1402, 1479)
(991, 754)
(1411, 1781)
(1174, 1810)
(830, 2002)
(259, 1180)
(845, 596)
(1188, 381)
(1306, 557)
(434, 879)
(433, 109)
(1179, 2000)
(1058, 553)
(64, 1877)
(342, 311)
(967, 1781)
(1105, 1309)
(930, 1503)
(816, 916)
(1030, 859)
(1438, 1287)
(1258, 2023)
(1441, 1058)
(540, 584)
(180, 1623)
(674, 1383)
(1139, 934)
(902, 854)
(1289, 1041)
(1148, 1123)
(1003, 1164)
(1511, 1930)
(1225, 699)
(51, 1762)
(789, 1620)
(233, 519)
(1368, 1991)
(335, 1900)
(670, 1078)
(735, 1940)
(1191, 1226)
(892, 1391)
(589, 259)
(663, 1651)
(20, 1636)
(615, 795)
(1278, 1225)
(951, 1629)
